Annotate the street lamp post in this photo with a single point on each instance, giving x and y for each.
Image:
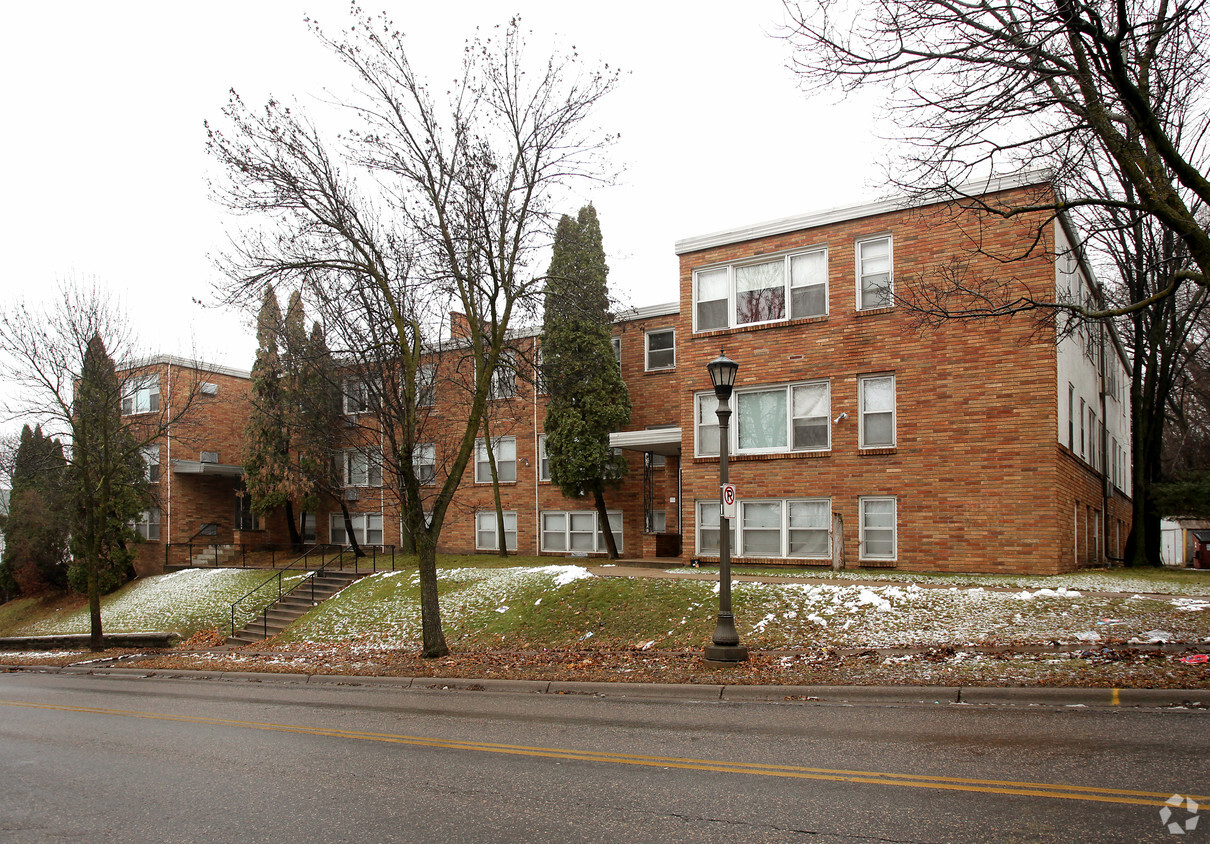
(726, 648)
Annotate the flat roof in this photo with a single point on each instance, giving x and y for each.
(843, 213)
(666, 441)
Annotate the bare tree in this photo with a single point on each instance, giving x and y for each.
(61, 360)
(423, 207)
(1074, 87)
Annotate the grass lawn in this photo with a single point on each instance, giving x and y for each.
(186, 602)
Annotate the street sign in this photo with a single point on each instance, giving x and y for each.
(728, 501)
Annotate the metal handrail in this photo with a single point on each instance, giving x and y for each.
(312, 574)
(277, 575)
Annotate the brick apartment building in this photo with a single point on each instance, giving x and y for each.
(991, 446)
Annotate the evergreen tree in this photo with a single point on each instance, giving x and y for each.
(36, 528)
(107, 485)
(268, 471)
(588, 399)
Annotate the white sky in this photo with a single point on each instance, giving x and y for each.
(104, 149)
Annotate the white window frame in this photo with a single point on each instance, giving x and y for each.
(353, 472)
(862, 519)
(506, 469)
(862, 412)
(707, 419)
(543, 459)
(788, 287)
(424, 463)
(354, 396)
(147, 525)
(710, 512)
(487, 534)
(365, 525)
(151, 462)
(647, 349)
(616, 343)
(858, 247)
(615, 522)
(503, 383)
(426, 385)
(143, 395)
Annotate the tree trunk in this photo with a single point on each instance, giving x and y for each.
(432, 636)
(349, 533)
(611, 547)
(96, 641)
(295, 537)
(501, 536)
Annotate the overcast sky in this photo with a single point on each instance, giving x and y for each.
(106, 171)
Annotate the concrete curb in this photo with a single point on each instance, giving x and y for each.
(1054, 696)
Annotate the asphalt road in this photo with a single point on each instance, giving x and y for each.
(102, 759)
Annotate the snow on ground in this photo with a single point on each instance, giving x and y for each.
(155, 603)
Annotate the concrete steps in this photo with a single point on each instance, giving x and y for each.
(293, 605)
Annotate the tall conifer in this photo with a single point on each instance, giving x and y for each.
(588, 399)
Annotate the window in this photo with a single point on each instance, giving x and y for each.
(355, 396)
(707, 436)
(661, 349)
(143, 395)
(777, 528)
(504, 449)
(367, 528)
(657, 521)
(1081, 427)
(543, 460)
(792, 286)
(1071, 420)
(426, 385)
(487, 533)
(577, 532)
(790, 417)
(876, 394)
(504, 377)
(540, 373)
(877, 528)
(424, 462)
(709, 516)
(151, 461)
(308, 528)
(362, 468)
(616, 342)
(245, 518)
(875, 282)
(147, 525)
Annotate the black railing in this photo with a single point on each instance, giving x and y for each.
(367, 562)
(246, 555)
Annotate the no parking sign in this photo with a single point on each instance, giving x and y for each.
(728, 501)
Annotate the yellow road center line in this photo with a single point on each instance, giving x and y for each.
(1007, 787)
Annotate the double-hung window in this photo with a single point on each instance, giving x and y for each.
(778, 528)
(875, 282)
(503, 383)
(362, 468)
(147, 525)
(791, 286)
(151, 460)
(661, 349)
(788, 417)
(878, 528)
(543, 460)
(424, 462)
(367, 528)
(355, 396)
(504, 449)
(876, 395)
(426, 385)
(487, 531)
(577, 531)
(616, 343)
(142, 395)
